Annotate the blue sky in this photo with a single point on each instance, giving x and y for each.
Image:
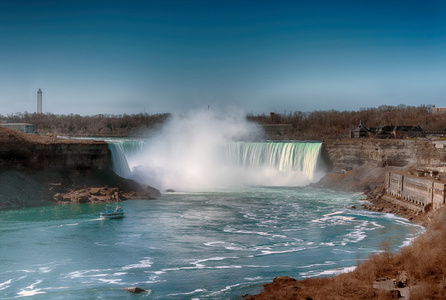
(113, 57)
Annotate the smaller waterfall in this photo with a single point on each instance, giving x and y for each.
(119, 160)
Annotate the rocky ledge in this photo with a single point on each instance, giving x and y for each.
(102, 195)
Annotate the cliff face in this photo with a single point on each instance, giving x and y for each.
(19, 150)
(382, 153)
(56, 156)
(33, 169)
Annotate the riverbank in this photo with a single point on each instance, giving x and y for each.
(417, 270)
(41, 171)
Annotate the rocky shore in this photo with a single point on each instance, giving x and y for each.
(38, 171)
(415, 272)
(103, 195)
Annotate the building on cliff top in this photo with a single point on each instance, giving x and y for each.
(360, 131)
(438, 110)
(23, 127)
(387, 132)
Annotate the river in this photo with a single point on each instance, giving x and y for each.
(207, 245)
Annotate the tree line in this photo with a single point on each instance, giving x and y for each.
(319, 124)
(337, 124)
(97, 125)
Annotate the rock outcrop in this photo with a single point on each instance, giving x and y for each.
(349, 153)
(134, 290)
(20, 150)
(36, 171)
(103, 195)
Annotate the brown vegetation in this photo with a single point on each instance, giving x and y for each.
(421, 266)
(337, 124)
(98, 125)
(10, 136)
(306, 125)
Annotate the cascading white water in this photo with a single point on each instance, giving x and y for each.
(234, 164)
(202, 151)
(286, 158)
(119, 161)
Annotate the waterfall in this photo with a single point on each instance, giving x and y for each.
(291, 158)
(228, 165)
(119, 161)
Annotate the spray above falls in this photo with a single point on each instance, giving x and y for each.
(205, 150)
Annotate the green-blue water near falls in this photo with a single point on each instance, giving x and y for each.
(213, 245)
(216, 244)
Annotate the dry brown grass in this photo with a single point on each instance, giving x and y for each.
(10, 136)
(424, 262)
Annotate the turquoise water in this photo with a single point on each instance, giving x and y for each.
(215, 245)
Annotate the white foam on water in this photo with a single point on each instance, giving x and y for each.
(228, 267)
(329, 244)
(265, 252)
(331, 272)
(111, 281)
(237, 248)
(87, 273)
(228, 288)
(355, 236)
(145, 263)
(44, 270)
(199, 262)
(5, 285)
(214, 244)
(31, 290)
(326, 263)
(255, 278)
(242, 231)
(26, 271)
(279, 236)
(8, 283)
(188, 293)
(334, 218)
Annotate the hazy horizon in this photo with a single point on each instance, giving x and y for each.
(94, 57)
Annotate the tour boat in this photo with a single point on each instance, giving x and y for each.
(117, 213)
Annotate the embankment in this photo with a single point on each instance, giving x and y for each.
(33, 169)
(349, 153)
(419, 269)
(361, 164)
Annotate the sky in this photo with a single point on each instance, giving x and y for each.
(159, 56)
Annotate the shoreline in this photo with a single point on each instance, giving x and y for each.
(372, 284)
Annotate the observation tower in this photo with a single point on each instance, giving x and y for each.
(39, 101)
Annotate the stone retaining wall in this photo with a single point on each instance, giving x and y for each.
(418, 190)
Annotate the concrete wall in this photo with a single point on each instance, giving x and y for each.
(419, 190)
(439, 194)
(394, 184)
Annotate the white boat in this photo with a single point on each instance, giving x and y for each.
(116, 213)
